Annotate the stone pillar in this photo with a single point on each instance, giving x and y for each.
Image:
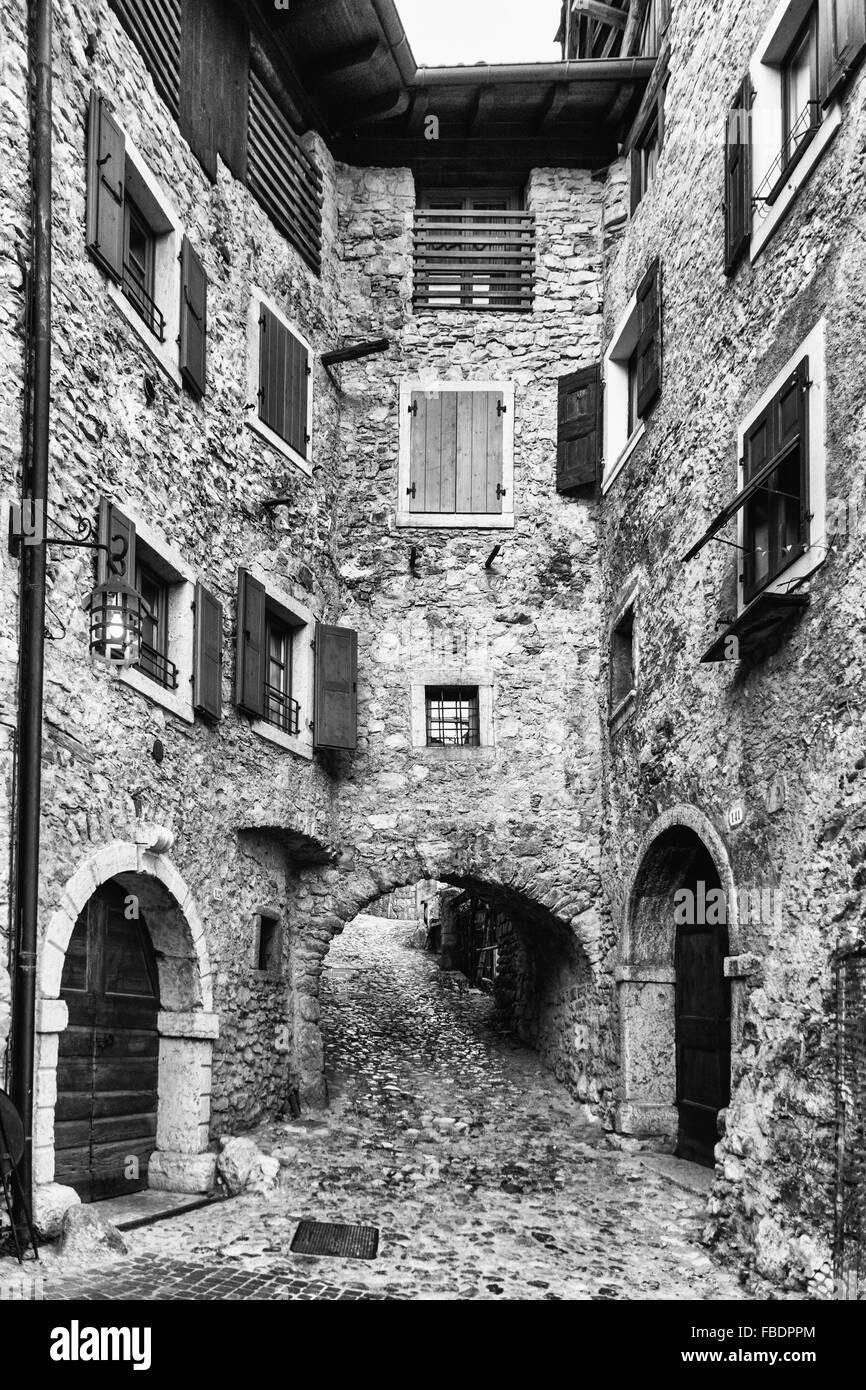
(649, 1080)
(181, 1162)
(50, 1199)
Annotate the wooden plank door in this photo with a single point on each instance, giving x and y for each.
(105, 1120)
(703, 1038)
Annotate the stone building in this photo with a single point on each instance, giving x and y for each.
(400, 395)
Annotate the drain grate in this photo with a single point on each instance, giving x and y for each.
(325, 1238)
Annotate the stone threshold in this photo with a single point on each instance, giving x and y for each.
(692, 1176)
(145, 1208)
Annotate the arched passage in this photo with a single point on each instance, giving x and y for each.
(674, 997)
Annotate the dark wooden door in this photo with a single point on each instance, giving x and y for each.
(703, 1038)
(105, 1120)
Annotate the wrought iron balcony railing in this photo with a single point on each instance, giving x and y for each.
(804, 130)
(144, 304)
(157, 666)
(474, 260)
(281, 710)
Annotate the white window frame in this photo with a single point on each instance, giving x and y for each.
(170, 564)
(486, 521)
(813, 557)
(160, 215)
(619, 445)
(303, 670)
(766, 125)
(452, 675)
(254, 420)
(620, 712)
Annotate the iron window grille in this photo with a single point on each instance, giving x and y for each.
(281, 710)
(452, 715)
(153, 658)
(138, 268)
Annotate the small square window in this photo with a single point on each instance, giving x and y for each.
(452, 715)
(622, 673)
(269, 944)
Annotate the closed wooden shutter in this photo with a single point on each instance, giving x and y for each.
(106, 162)
(841, 43)
(579, 431)
(284, 372)
(113, 528)
(214, 84)
(154, 26)
(249, 668)
(208, 665)
(282, 176)
(649, 347)
(193, 318)
(455, 451)
(335, 720)
(738, 176)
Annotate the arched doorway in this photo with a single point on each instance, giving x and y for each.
(675, 999)
(108, 1063)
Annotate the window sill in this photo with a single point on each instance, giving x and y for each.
(623, 712)
(623, 458)
(276, 442)
(159, 351)
(448, 753)
(803, 168)
(299, 744)
(172, 700)
(447, 521)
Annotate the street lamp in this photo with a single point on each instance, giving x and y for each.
(116, 612)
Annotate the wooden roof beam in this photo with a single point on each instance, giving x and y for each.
(346, 59)
(484, 99)
(605, 13)
(552, 105)
(636, 12)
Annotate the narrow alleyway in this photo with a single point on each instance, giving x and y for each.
(484, 1177)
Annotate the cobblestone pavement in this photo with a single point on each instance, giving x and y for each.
(486, 1179)
(152, 1277)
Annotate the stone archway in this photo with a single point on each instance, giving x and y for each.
(681, 845)
(187, 1024)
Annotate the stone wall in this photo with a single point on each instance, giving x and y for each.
(710, 736)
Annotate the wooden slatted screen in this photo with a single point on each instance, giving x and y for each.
(154, 26)
(473, 259)
(282, 175)
(455, 444)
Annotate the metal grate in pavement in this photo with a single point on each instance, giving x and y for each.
(325, 1238)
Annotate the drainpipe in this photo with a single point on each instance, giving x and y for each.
(32, 623)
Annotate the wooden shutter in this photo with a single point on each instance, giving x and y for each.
(649, 347)
(154, 27)
(841, 41)
(284, 373)
(636, 158)
(579, 431)
(335, 720)
(208, 665)
(214, 84)
(106, 161)
(456, 452)
(193, 318)
(738, 176)
(251, 655)
(282, 176)
(112, 525)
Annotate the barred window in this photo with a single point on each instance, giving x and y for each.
(452, 715)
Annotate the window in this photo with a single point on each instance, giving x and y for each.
(138, 261)
(647, 145)
(456, 455)
(154, 660)
(622, 668)
(776, 471)
(268, 944)
(274, 672)
(280, 708)
(801, 112)
(452, 715)
(633, 373)
(473, 250)
(280, 382)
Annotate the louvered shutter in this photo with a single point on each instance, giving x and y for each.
(208, 664)
(249, 667)
(649, 347)
(579, 431)
(456, 452)
(113, 528)
(841, 42)
(284, 372)
(335, 719)
(106, 160)
(738, 176)
(282, 176)
(193, 318)
(154, 27)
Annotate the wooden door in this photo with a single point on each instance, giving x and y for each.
(703, 1038)
(105, 1120)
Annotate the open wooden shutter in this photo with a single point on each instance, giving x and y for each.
(456, 451)
(738, 176)
(841, 42)
(114, 527)
(214, 84)
(336, 719)
(649, 346)
(193, 318)
(106, 162)
(249, 667)
(208, 665)
(284, 372)
(154, 27)
(579, 430)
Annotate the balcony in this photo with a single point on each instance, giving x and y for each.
(471, 260)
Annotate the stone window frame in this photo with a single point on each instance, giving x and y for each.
(303, 669)
(271, 913)
(622, 711)
(474, 676)
(487, 521)
(171, 566)
(164, 222)
(619, 445)
(813, 347)
(765, 71)
(258, 297)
